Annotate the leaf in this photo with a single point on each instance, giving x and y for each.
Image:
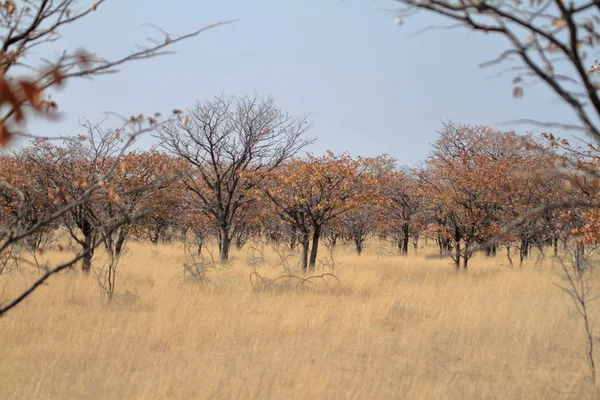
(57, 76)
(518, 92)
(7, 95)
(33, 94)
(5, 136)
(559, 22)
(9, 6)
(84, 58)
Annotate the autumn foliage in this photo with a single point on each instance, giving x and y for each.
(475, 182)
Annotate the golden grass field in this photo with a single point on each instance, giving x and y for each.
(396, 327)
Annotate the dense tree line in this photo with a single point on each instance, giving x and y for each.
(232, 172)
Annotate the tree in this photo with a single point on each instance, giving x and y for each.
(68, 171)
(225, 139)
(358, 224)
(33, 24)
(403, 209)
(552, 41)
(141, 180)
(309, 193)
(473, 175)
(550, 38)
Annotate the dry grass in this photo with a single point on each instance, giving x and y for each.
(396, 327)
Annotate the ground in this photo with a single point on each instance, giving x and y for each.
(395, 327)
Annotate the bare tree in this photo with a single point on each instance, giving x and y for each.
(33, 24)
(577, 284)
(549, 39)
(223, 140)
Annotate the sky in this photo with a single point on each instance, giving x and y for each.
(368, 86)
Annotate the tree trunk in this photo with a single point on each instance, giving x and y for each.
(490, 251)
(121, 240)
(88, 241)
(315, 247)
(555, 246)
(359, 245)
(524, 248)
(154, 237)
(405, 239)
(416, 242)
(457, 256)
(466, 256)
(580, 257)
(224, 243)
(305, 243)
(87, 258)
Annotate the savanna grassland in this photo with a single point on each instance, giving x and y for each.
(394, 327)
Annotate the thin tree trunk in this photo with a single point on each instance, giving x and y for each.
(580, 257)
(405, 239)
(315, 247)
(121, 240)
(224, 244)
(457, 256)
(305, 242)
(88, 239)
(359, 245)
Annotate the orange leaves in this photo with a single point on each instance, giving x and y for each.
(480, 179)
(594, 69)
(322, 187)
(57, 76)
(9, 7)
(17, 95)
(7, 95)
(5, 136)
(32, 93)
(559, 22)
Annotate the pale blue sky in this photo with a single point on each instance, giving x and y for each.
(368, 86)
